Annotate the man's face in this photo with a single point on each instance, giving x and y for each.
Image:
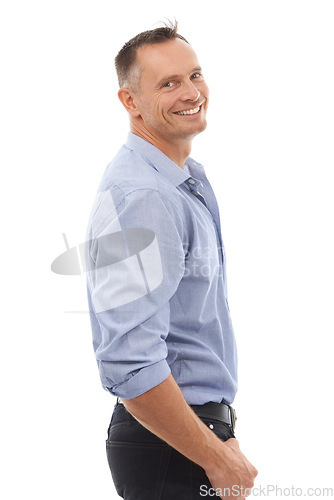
(173, 97)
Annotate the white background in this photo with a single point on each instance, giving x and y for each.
(268, 152)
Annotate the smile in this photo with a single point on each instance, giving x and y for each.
(189, 111)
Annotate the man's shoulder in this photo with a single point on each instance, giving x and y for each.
(129, 171)
(125, 179)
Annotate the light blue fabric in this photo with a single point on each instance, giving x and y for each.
(156, 279)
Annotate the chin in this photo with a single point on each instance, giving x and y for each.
(197, 130)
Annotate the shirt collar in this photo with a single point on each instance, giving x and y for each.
(159, 160)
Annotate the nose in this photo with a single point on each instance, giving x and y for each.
(189, 91)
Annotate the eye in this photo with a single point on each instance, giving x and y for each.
(196, 75)
(168, 84)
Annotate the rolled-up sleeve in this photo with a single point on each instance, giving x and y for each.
(135, 261)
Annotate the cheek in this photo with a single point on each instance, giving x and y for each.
(149, 105)
(162, 106)
(205, 90)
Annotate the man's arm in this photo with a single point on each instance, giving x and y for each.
(164, 411)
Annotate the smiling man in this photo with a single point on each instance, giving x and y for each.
(169, 99)
(156, 285)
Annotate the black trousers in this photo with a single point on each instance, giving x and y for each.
(143, 467)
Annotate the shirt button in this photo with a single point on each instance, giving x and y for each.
(191, 181)
(194, 192)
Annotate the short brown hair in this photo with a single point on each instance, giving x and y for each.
(126, 58)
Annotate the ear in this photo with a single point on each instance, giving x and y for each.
(129, 100)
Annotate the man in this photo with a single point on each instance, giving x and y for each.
(162, 332)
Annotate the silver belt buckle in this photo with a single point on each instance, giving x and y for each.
(233, 417)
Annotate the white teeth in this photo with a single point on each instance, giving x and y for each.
(189, 111)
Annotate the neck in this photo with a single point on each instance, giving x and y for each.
(177, 151)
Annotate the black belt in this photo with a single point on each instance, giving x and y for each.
(217, 411)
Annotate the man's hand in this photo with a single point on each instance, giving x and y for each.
(234, 477)
(164, 411)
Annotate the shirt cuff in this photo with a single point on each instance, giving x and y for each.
(144, 380)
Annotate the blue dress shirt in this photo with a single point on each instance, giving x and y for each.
(156, 279)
